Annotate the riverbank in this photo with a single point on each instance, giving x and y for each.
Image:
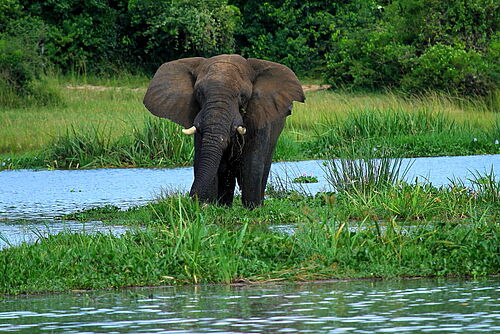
(378, 230)
(94, 128)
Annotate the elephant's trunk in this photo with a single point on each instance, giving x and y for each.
(218, 118)
(205, 177)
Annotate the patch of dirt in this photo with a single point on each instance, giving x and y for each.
(103, 88)
(306, 88)
(311, 88)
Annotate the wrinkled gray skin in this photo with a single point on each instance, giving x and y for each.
(217, 95)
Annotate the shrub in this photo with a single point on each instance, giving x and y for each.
(20, 59)
(294, 33)
(449, 68)
(166, 30)
(81, 35)
(368, 60)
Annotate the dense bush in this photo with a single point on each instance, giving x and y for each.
(81, 35)
(452, 68)
(20, 61)
(367, 59)
(170, 29)
(293, 32)
(103, 36)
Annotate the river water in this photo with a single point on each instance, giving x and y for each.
(29, 197)
(43, 195)
(392, 306)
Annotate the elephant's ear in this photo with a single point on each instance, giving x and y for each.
(170, 93)
(274, 89)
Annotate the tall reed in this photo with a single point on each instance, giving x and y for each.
(158, 142)
(401, 133)
(81, 148)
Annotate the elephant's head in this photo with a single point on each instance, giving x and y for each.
(219, 99)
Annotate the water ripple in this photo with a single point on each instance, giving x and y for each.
(335, 307)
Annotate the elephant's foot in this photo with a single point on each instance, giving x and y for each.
(252, 204)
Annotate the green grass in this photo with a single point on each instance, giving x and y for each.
(371, 190)
(157, 142)
(32, 128)
(107, 126)
(196, 252)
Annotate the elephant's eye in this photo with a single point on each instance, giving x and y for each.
(243, 100)
(199, 95)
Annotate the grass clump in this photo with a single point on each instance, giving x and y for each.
(376, 189)
(400, 133)
(158, 142)
(363, 175)
(166, 210)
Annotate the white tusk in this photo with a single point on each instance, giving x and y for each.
(190, 131)
(241, 130)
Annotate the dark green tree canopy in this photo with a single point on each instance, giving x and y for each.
(414, 45)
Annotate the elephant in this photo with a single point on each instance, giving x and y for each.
(236, 109)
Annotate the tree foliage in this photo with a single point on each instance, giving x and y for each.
(21, 62)
(293, 32)
(170, 29)
(414, 45)
(420, 45)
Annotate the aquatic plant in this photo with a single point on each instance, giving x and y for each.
(199, 252)
(305, 178)
(402, 229)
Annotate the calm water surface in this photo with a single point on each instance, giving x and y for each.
(405, 306)
(14, 233)
(26, 194)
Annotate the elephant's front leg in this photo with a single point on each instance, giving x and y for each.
(256, 163)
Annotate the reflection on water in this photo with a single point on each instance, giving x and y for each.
(442, 306)
(45, 194)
